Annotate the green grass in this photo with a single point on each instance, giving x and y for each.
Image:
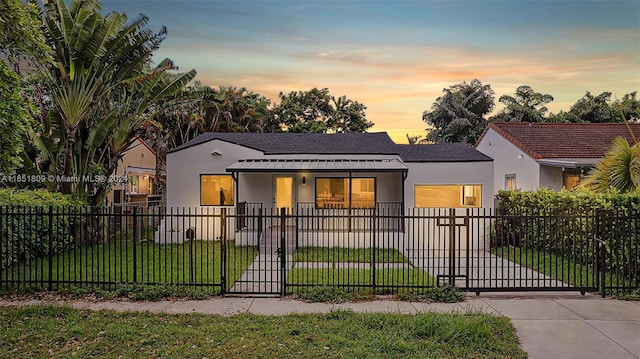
(557, 267)
(189, 263)
(386, 279)
(358, 278)
(351, 255)
(61, 332)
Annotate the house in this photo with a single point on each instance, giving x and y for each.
(138, 166)
(322, 173)
(529, 156)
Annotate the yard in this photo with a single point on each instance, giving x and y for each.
(355, 269)
(119, 261)
(50, 331)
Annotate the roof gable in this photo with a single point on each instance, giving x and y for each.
(562, 140)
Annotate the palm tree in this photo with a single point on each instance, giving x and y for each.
(618, 170)
(102, 90)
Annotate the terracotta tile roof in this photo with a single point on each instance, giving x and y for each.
(563, 140)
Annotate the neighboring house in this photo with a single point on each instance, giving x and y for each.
(312, 173)
(529, 156)
(138, 166)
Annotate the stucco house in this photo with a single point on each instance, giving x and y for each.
(138, 166)
(322, 173)
(529, 156)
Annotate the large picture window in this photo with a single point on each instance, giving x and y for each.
(447, 196)
(216, 190)
(339, 192)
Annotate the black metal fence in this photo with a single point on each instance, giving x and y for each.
(382, 250)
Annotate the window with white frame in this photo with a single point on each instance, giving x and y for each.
(510, 181)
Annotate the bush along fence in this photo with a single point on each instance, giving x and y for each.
(380, 250)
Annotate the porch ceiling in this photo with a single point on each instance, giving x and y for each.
(295, 165)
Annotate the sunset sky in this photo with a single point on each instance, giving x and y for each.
(397, 56)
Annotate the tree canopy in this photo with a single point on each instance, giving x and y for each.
(21, 42)
(459, 114)
(525, 105)
(601, 109)
(319, 112)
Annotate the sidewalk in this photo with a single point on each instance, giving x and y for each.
(549, 325)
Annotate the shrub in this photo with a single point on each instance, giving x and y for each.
(565, 223)
(25, 225)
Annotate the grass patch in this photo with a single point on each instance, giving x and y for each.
(558, 267)
(329, 294)
(197, 262)
(49, 331)
(348, 255)
(442, 294)
(353, 279)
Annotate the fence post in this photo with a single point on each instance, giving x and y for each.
(135, 239)
(223, 250)
(600, 252)
(50, 284)
(283, 251)
(374, 247)
(452, 246)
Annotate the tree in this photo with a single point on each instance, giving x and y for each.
(458, 115)
(525, 105)
(619, 170)
(591, 109)
(628, 107)
(320, 112)
(199, 109)
(103, 91)
(21, 41)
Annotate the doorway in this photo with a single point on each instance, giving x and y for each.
(283, 194)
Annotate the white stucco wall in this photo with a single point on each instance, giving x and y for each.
(509, 159)
(185, 167)
(450, 173)
(551, 177)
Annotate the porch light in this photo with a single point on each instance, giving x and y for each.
(304, 180)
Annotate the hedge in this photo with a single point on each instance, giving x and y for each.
(567, 224)
(25, 225)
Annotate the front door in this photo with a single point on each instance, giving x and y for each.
(283, 193)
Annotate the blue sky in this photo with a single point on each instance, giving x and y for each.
(397, 56)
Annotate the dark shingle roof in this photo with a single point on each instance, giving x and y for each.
(563, 140)
(441, 152)
(299, 143)
(377, 143)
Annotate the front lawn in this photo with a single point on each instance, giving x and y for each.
(558, 267)
(351, 255)
(49, 331)
(351, 269)
(117, 261)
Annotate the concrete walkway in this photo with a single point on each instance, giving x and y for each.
(549, 325)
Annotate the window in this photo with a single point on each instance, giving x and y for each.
(337, 192)
(216, 190)
(571, 178)
(447, 196)
(133, 184)
(510, 181)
